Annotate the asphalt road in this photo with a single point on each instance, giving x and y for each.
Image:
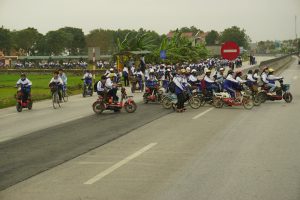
(228, 153)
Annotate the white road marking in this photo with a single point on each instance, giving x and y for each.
(119, 164)
(203, 113)
(72, 119)
(230, 50)
(93, 163)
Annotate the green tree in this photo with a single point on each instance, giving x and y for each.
(57, 41)
(76, 43)
(212, 37)
(237, 35)
(5, 40)
(26, 40)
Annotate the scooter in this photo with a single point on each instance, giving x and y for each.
(20, 103)
(87, 89)
(223, 98)
(282, 92)
(103, 103)
(151, 96)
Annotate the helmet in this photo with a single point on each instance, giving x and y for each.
(222, 69)
(188, 69)
(168, 69)
(208, 71)
(193, 70)
(151, 71)
(271, 70)
(183, 71)
(111, 70)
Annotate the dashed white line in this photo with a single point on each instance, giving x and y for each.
(203, 113)
(119, 164)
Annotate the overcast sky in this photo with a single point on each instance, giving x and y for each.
(262, 19)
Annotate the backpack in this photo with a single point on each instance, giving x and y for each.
(172, 87)
(95, 86)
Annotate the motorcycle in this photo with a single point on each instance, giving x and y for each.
(20, 103)
(223, 98)
(103, 103)
(87, 89)
(170, 100)
(152, 96)
(282, 92)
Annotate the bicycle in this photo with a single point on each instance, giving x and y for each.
(64, 95)
(55, 96)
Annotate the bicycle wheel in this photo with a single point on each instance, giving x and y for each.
(65, 96)
(55, 100)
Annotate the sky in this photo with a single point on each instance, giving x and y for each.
(262, 19)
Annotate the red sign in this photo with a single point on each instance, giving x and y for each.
(230, 50)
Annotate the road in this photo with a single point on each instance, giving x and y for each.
(209, 153)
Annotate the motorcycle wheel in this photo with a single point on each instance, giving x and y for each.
(195, 102)
(262, 96)
(145, 98)
(98, 107)
(248, 103)
(130, 107)
(29, 105)
(19, 107)
(288, 97)
(256, 100)
(167, 103)
(202, 99)
(218, 103)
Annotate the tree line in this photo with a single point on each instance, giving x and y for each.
(73, 41)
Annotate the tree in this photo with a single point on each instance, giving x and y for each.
(76, 44)
(26, 40)
(5, 40)
(237, 35)
(212, 37)
(57, 41)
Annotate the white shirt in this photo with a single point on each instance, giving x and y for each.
(240, 80)
(56, 80)
(208, 79)
(101, 87)
(178, 81)
(192, 78)
(272, 77)
(264, 77)
(230, 78)
(25, 82)
(250, 78)
(87, 75)
(256, 76)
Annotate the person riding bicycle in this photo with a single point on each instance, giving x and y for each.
(57, 82)
(25, 84)
(272, 79)
(63, 77)
(193, 80)
(88, 78)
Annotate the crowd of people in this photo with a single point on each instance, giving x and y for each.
(51, 65)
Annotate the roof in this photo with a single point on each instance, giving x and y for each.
(185, 34)
(134, 52)
(52, 57)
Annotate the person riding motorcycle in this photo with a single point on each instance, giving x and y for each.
(230, 84)
(250, 79)
(112, 75)
(255, 75)
(88, 78)
(152, 82)
(56, 80)
(209, 83)
(106, 87)
(272, 79)
(25, 84)
(179, 89)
